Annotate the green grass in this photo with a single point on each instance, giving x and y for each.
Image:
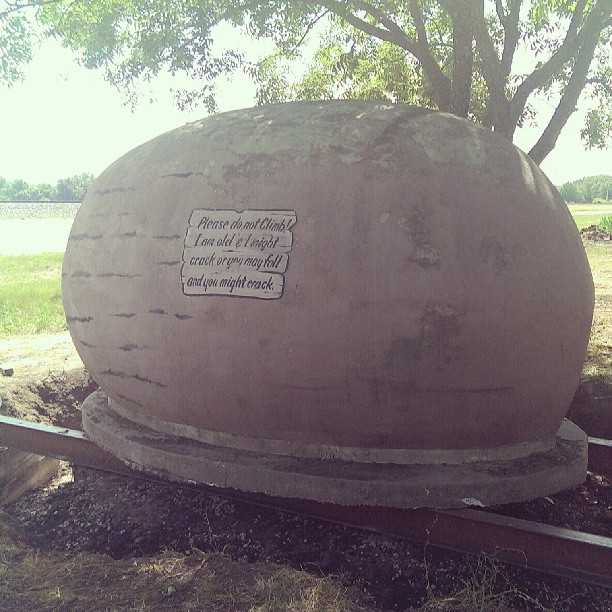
(586, 220)
(583, 207)
(600, 260)
(30, 294)
(599, 354)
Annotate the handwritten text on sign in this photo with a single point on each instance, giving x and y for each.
(237, 253)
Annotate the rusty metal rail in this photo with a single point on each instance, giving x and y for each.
(528, 544)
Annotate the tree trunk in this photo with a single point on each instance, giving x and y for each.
(463, 63)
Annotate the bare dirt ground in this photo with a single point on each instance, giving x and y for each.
(49, 380)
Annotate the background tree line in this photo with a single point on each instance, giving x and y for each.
(588, 189)
(71, 189)
(585, 190)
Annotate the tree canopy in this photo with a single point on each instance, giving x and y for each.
(454, 55)
(588, 189)
(72, 189)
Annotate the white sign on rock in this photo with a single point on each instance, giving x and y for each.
(235, 253)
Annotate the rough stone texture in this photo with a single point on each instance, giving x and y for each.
(437, 294)
(340, 482)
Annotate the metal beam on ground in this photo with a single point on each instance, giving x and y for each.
(524, 543)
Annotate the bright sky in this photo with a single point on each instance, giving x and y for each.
(64, 120)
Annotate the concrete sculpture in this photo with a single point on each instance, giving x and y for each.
(345, 301)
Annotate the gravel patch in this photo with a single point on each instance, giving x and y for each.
(38, 210)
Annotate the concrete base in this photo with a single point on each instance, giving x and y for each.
(342, 482)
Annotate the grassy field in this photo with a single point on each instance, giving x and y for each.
(586, 220)
(599, 354)
(600, 260)
(582, 207)
(30, 294)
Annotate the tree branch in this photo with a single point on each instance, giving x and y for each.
(394, 34)
(381, 17)
(442, 85)
(463, 59)
(510, 24)
(492, 71)
(309, 27)
(14, 7)
(567, 104)
(416, 12)
(499, 7)
(568, 48)
(397, 38)
(604, 84)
